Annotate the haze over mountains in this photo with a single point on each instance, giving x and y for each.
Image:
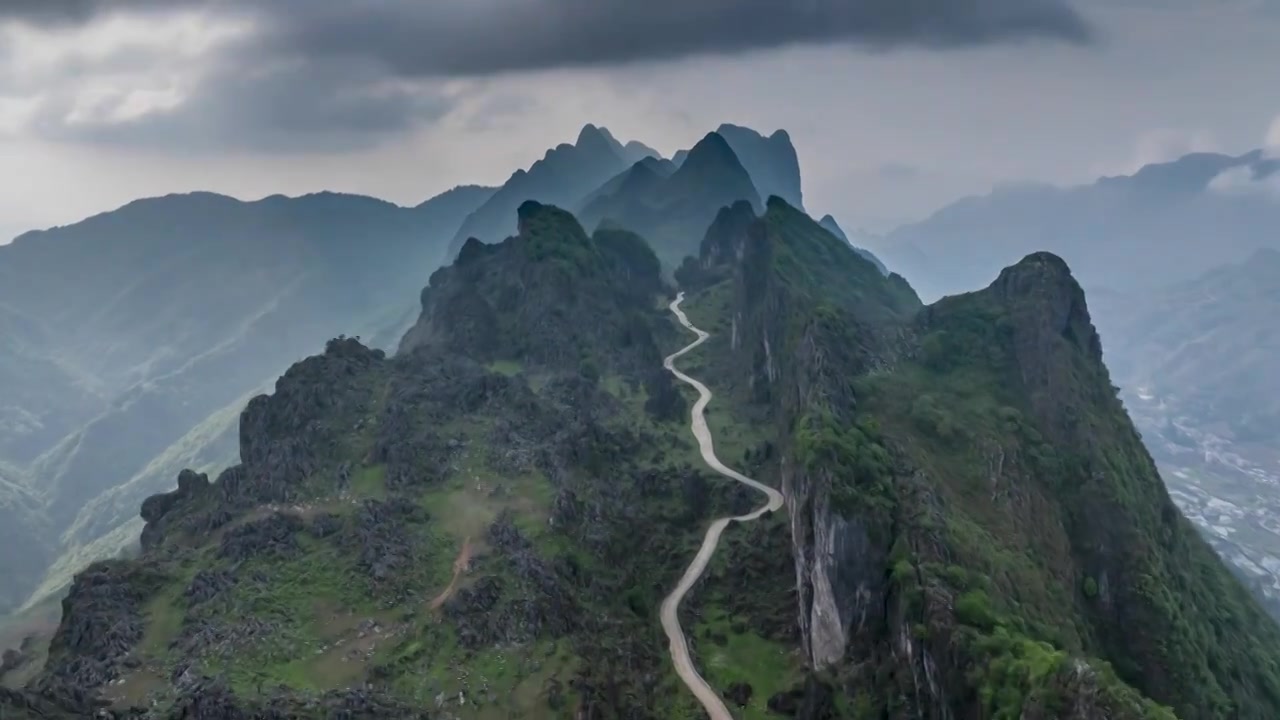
(138, 335)
(1166, 223)
(132, 340)
(1180, 262)
(966, 498)
(440, 516)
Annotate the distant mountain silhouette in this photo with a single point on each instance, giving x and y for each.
(1165, 223)
(563, 177)
(771, 161)
(672, 210)
(829, 224)
(129, 341)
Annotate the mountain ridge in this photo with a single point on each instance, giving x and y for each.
(671, 212)
(1102, 228)
(564, 175)
(126, 354)
(455, 526)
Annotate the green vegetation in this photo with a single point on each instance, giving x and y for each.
(983, 439)
(370, 482)
(858, 465)
(551, 234)
(458, 527)
(820, 269)
(980, 447)
(729, 655)
(510, 368)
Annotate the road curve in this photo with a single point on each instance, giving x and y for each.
(709, 698)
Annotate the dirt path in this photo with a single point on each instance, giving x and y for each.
(459, 567)
(710, 700)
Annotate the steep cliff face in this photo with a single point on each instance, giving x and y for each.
(977, 530)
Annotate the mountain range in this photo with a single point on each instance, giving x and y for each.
(478, 509)
(1166, 223)
(972, 525)
(136, 337)
(131, 341)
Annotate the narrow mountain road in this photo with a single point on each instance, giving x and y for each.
(709, 698)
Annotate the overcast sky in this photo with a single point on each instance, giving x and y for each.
(894, 112)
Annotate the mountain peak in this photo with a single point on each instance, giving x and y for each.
(712, 146)
(588, 133)
(533, 216)
(1044, 296)
(1038, 269)
(639, 151)
(599, 138)
(712, 163)
(771, 161)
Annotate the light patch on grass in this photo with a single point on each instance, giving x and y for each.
(468, 503)
(164, 620)
(370, 482)
(496, 683)
(510, 368)
(768, 667)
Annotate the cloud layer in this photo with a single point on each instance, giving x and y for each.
(320, 74)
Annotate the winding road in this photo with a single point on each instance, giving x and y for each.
(709, 698)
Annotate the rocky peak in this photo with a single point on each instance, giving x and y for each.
(639, 151)
(712, 167)
(728, 231)
(548, 296)
(711, 151)
(596, 139)
(537, 221)
(1041, 296)
(771, 161)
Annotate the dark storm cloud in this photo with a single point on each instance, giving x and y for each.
(71, 12)
(477, 37)
(423, 40)
(280, 107)
(489, 36)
